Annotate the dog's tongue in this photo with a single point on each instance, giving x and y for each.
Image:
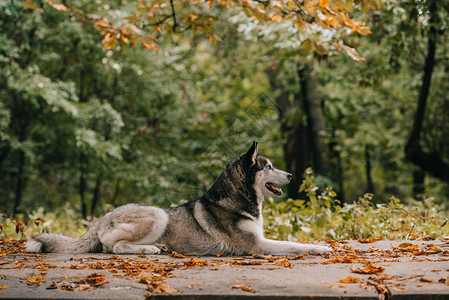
(274, 189)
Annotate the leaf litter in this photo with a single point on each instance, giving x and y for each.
(153, 272)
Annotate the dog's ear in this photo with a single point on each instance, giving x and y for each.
(252, 154)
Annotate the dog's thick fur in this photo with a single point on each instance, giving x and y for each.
(226, 219)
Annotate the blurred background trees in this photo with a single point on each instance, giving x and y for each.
(90, 119)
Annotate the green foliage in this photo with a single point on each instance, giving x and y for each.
(66, 222)
(323, 216)
(80, 124)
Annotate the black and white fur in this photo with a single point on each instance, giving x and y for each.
(226, 219)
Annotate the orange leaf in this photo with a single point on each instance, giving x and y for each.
(276, 18)
(195, 262)
(36, 279)
(369, 269)
(147, 43)
(29, 4)
(111, 42)
(363, 31)
(422, 279)
(3, 287)
(57, 6)
(284, 262)
(243, 288)
(102, 25)
(370, 240)
(174, 253)
(352, 52)
(350, 279)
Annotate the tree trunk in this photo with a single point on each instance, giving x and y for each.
(368, 170)
(82, 186)
(316, 124)
(22, 125)
(96, 197)
(418, 184)
(19, 184)
(295, 147)
(115, 194)
(304, 146)
(337, 171)
(296, 154)
(3, 155)
(431, 162)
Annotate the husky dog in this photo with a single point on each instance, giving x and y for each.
(226, 219)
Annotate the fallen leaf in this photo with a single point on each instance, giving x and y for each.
(369, 269)
(384, 292)
(161, 288)
(334, 260)
(3, 287)
(177, 255)
(83, 287)
(52, 286)
(243, 288)
(261, 256)
(370, 240)
(422, 279)
(350, 279)
(36, 279)
(285, 263)
(195, 263)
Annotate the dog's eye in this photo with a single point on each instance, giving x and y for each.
(268, 167)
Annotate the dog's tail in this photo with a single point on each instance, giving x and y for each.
(58, 243)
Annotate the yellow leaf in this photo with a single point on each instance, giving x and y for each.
(57, 6)
(363, 30)
(147, 43)
(352, 52)
(369, 269)
(110, 43)
(276, 18)
(36, 279)
(3, 287)
(102, 25)
(370, 240)
(350, 279)
(29, 4)
(106, 36)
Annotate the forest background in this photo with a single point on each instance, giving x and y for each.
(98, 111)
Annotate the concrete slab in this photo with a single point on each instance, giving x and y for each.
(395, 269)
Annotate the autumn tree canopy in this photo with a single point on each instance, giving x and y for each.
(152, 19)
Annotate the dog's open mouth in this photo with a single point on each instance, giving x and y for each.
(275, 190)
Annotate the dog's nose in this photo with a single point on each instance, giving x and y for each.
(289, 176)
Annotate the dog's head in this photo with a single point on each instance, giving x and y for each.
(266, 177)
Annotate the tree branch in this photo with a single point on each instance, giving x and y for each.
(173, 15)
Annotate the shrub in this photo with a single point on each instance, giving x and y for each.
(323, 216)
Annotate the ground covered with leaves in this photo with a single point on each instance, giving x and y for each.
(381, 267)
